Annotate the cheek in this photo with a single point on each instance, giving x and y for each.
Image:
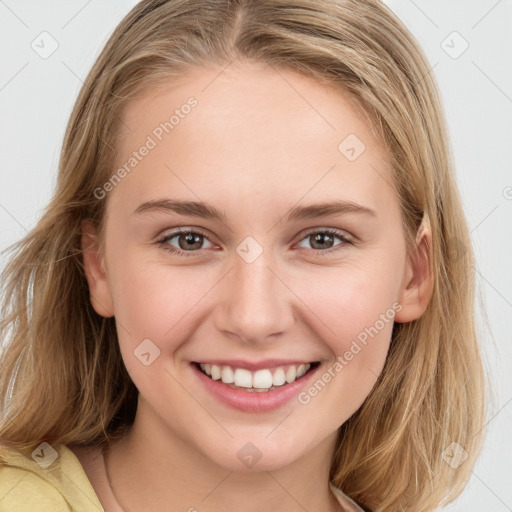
(353, 310)
(157, 303)
(153, 300)
(350, 298)
(356, 324)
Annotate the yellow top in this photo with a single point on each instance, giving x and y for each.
(53, 480)
(52, 484)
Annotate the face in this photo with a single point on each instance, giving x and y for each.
(270, 282)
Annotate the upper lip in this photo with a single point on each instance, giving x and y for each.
(255, 365)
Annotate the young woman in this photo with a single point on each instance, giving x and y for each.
(253, 287)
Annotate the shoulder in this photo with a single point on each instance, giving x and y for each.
(49, 479)
(23, 491)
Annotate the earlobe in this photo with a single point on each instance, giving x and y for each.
(418, 279)
(94, 267)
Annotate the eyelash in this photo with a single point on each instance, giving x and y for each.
(179, 252)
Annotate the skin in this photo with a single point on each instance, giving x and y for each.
(254, 147)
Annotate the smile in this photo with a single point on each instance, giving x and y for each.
(261, 380)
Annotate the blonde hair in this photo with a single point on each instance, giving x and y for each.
(63, 379)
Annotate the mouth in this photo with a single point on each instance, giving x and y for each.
(260, 381)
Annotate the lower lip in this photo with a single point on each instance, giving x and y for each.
(254, 401)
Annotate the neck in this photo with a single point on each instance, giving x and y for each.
(152, 469)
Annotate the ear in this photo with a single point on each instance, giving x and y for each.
(418, 281)
(94, 266)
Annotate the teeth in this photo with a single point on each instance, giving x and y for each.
(243, 378)
(227, 375)
(260, 381)
(279, 378)
(301, 370)
(291, 374)
(215, 372)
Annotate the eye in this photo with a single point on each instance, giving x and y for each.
(189, 242)
(323, 239)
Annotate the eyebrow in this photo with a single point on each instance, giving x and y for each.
(207, 211)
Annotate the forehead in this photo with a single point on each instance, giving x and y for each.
(257, 129)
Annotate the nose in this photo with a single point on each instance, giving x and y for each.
(256, 304)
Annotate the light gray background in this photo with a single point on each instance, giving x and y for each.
(37, 94)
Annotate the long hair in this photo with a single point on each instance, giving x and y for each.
(63, 379)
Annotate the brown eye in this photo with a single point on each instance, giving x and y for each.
(324, 240)
(321, 240)
(189, 242)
